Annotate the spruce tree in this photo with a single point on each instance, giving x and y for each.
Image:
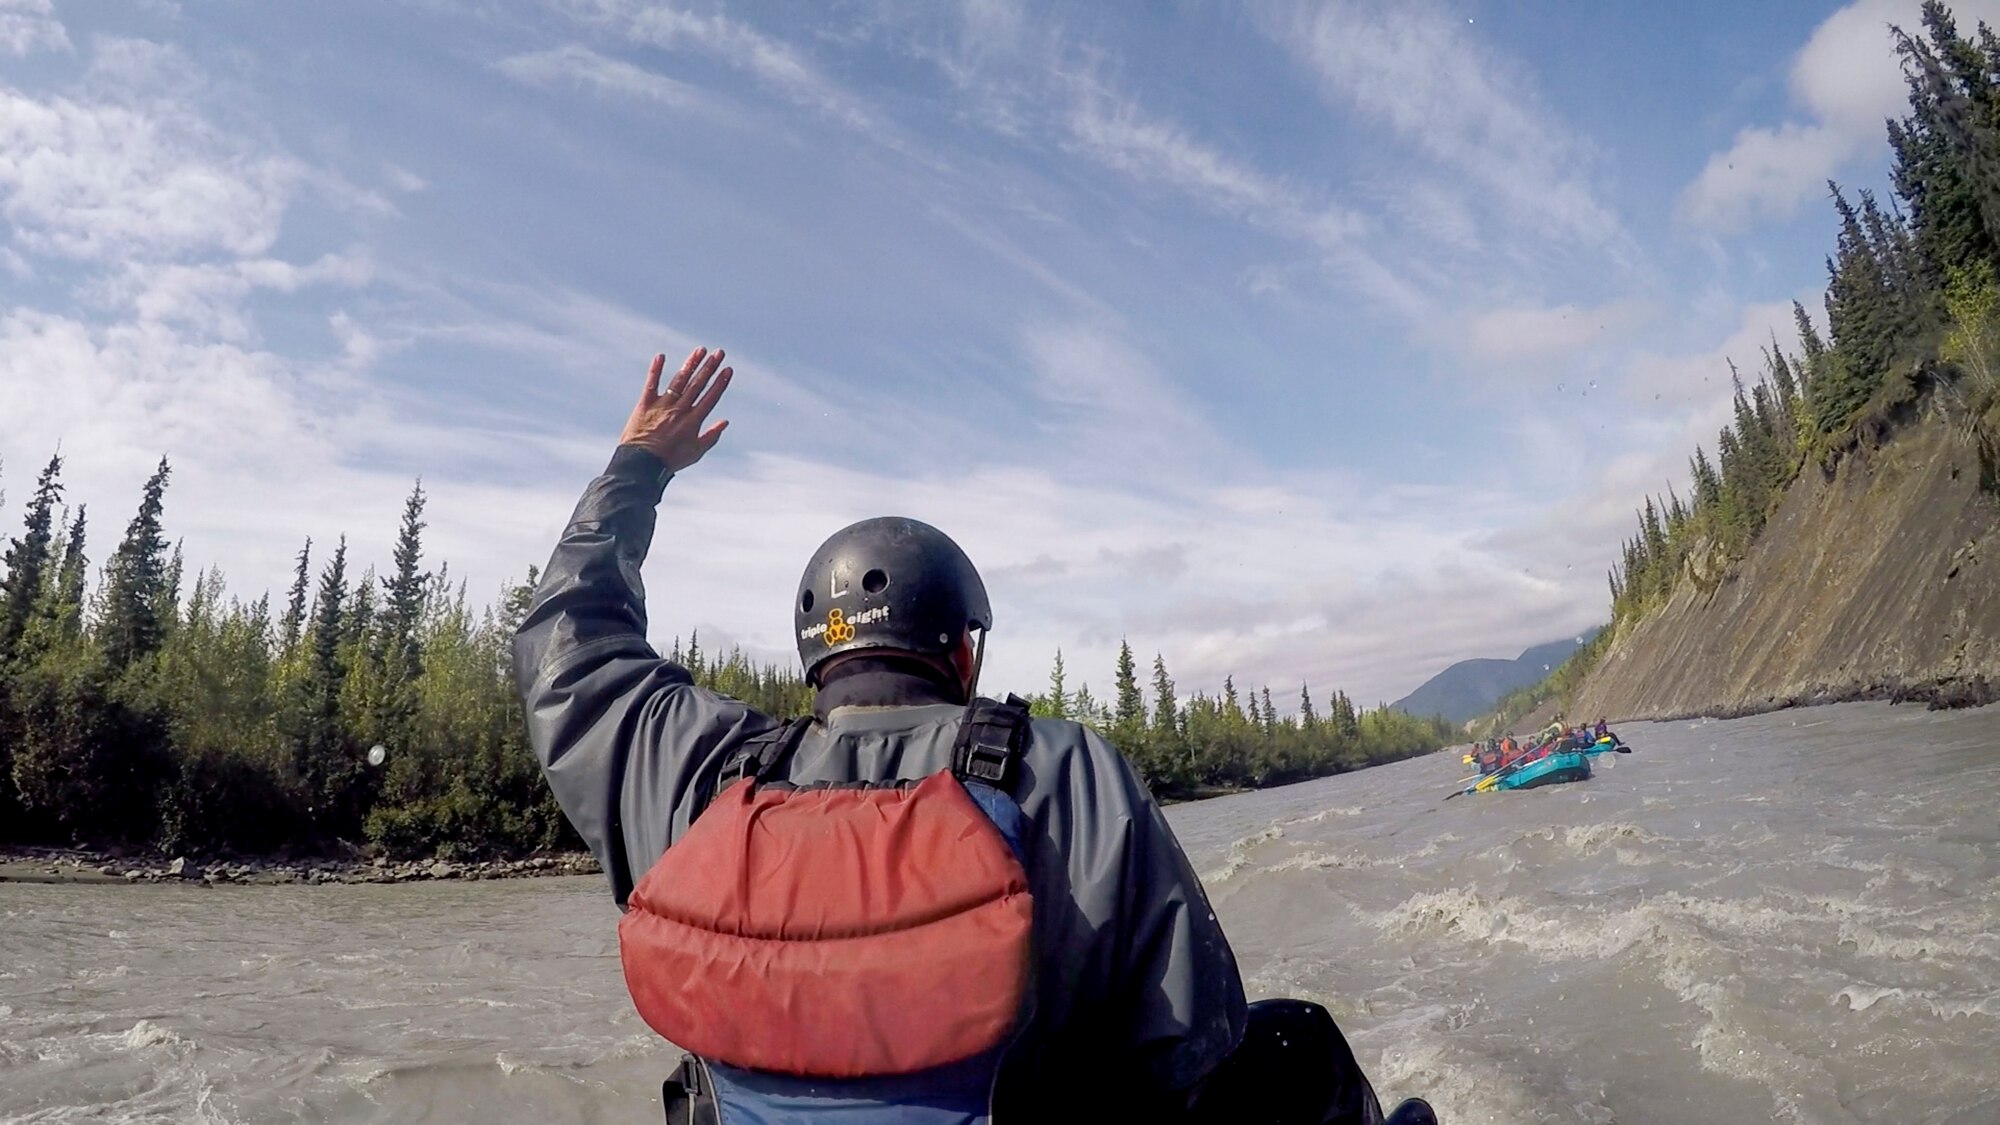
(63, 609)
(1861, 319)
(295, 604)
(1658, 576)
(27, 560)
(1815, 380)
(1947, 159)
(404, 594)
(319, 758)
(1058, 697)
(167, 595)
(134, 578)
(1788, 398)
(1165, 710)
(1232, 706)
(1131, 713)
(1307, 720)
(1707, 483)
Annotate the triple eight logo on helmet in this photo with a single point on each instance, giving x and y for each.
(838, 629)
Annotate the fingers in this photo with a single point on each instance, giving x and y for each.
(702, 375)
(678, 387)
(712, 435)
(713, 394)
(651, 390)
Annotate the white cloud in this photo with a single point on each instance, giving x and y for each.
(1700, 380)
(404, 180)
(776, 64)
(104, 181)
(1123, 136)
(584, 67)
(1108, 403)
(1847, 81)
(1531, 332)
(1675, 402)
(209, 296)
(1462, 104)
(27, 26)
(1766, 172)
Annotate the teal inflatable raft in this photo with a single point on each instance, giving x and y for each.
(1549, 769)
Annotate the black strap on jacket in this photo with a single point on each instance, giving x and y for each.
(988, 749)
(989, 742)
(760, 758)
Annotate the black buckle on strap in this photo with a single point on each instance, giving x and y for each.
(687, 1097)
(989, 742)
(986, 764)
(757, 759)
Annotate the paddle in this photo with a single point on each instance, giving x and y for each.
(1485, 781)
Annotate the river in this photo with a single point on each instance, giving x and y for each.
(1792, 917)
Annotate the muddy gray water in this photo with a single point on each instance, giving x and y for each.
(1794, 917)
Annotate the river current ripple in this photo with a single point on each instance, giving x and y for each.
(1794, 917)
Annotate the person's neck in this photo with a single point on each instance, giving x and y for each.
(884, 681)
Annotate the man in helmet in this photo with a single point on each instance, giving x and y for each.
(1132, 1008)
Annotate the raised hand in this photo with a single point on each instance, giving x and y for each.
(668, 424)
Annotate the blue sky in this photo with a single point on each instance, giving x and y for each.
(1327, 342)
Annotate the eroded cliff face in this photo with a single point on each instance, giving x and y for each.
(1881, 582)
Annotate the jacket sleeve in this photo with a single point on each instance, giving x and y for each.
(1179, 974)
(624, 737)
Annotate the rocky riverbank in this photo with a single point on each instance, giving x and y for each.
(1876, 582)
(74, 865)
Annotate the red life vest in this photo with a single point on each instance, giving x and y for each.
(839, 931)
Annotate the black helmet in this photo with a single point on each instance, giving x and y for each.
(887, 582)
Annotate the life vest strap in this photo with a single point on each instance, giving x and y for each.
(988, 749)
(759, 759)
(989, 742)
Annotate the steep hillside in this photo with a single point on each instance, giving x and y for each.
(1882, 581)
(1470, 688)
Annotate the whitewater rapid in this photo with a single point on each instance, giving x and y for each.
(1794, 917)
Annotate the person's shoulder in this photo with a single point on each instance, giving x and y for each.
(1085, 756)
(1068, 736)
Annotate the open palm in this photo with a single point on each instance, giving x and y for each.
(668, 424)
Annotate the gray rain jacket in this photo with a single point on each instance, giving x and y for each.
(1138, 996)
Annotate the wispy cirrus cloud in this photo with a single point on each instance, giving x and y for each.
(1122, 135)
(577, 65)
(777, 65)
(1463, 105)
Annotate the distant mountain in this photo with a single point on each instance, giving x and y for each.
(1470, 688)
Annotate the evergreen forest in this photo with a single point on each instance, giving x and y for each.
(151, 709)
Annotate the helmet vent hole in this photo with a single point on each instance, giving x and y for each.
(874, 581)
(806, 602)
